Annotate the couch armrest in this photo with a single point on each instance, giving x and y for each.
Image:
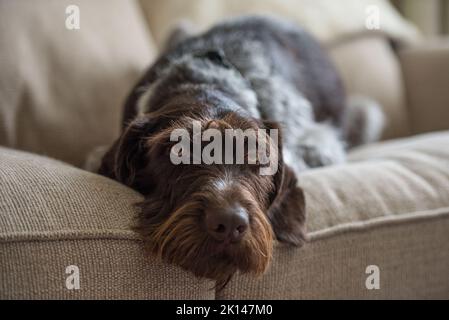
(426, 77)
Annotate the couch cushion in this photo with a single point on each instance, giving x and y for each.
(412, 257)
(53, 215)
(388, 207)
(61, 90)
(385, 180)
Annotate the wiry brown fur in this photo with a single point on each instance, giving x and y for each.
(171, 220)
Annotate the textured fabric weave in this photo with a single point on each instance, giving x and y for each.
(389, 206)
(412, 256)
(387, 179)
(53, 215)
(109, 268)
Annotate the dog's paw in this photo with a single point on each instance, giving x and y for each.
(321, 148)
(314, 157)
(319, 157)
(364, 121)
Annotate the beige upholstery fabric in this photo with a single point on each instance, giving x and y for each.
(426, 75)
(412, 256)
(389, 206)
(369, 67)
(62, 91)
(326, 19)
(53, 215)
(110, 268)
(388, 179)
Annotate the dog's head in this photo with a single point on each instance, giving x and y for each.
(211, 219)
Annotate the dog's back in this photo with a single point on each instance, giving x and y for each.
(280, 62)
(263, 68)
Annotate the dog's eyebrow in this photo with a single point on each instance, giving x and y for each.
(216, 56)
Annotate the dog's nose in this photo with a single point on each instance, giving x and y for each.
(229, 223)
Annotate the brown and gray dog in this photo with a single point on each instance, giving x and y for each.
(249, 72)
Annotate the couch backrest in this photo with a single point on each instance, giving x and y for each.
(369, 67)
(62, 90)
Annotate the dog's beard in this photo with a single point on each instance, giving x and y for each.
(181, 240)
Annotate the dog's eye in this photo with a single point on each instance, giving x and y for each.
(215, 56)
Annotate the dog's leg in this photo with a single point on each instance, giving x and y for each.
(315, 145)
(363, 122)
(321, 144)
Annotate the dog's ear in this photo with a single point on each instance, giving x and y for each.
(287, 203)
(287, 209)
(127, 156)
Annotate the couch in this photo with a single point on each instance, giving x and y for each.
(61, 92)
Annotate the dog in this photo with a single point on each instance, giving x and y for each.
(251, 72)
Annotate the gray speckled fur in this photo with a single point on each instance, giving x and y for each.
(278, 73)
